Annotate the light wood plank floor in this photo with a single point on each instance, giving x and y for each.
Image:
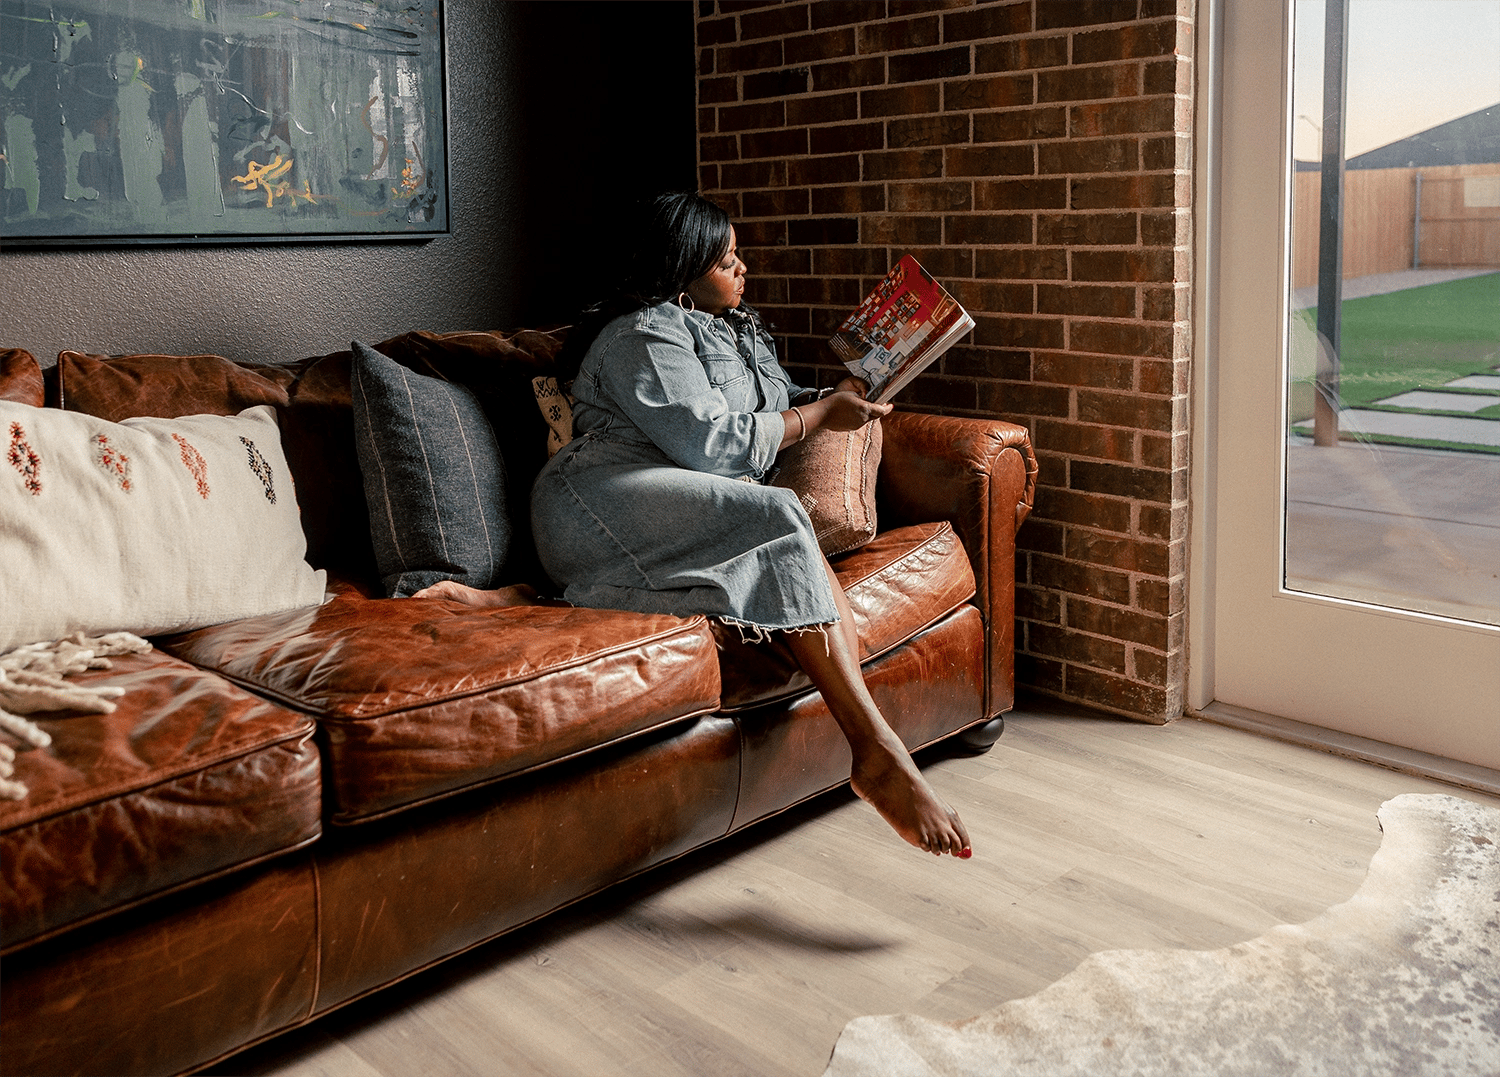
(748, 958)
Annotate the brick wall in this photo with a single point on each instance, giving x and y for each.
(1035, 157)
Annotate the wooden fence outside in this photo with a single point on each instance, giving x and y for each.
(1459, 226)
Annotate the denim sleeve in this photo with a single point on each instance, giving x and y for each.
(654, 375)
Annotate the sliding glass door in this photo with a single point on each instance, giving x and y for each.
(1347, 464)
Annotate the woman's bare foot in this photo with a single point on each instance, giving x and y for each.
(891, 783)
(453, 591)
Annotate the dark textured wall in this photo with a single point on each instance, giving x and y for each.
(558, 115)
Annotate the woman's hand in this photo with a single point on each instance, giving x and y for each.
(853, 385)
(845, 410)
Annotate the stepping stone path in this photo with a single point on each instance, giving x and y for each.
(1458, 430)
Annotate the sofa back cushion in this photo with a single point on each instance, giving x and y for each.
(21, 378)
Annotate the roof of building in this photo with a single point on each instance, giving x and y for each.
(1469, 140)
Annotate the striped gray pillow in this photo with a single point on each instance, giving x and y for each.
(434, 478)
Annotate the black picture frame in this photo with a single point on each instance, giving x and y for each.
(167, 122)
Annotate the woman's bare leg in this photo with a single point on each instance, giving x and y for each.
(453, 591)
(883, 773)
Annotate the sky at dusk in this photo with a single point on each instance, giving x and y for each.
(1413, 64)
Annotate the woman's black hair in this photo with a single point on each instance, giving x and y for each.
(677, 239)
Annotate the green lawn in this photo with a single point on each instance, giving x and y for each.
(1419, 338)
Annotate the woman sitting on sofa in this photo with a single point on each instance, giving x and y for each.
(657, 504)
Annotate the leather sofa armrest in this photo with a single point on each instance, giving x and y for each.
(979, 474)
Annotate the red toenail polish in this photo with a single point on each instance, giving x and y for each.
(964, 854)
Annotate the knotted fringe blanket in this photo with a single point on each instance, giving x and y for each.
(31, 680)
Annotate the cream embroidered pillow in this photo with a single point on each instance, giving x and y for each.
(148, 525)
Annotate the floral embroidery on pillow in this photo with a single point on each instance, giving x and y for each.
(260, 467)
(193, 460)
(111, 460)
(24, 459)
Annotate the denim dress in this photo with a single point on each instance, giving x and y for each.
(657, 504)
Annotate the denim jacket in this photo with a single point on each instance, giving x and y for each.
(706, 391)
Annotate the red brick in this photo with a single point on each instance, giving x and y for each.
(843, 12)
(1021, 194)
(823, 230)
(1125, 410)
(1120, 338)
(1161, 522)
(1079, 439)
(951, 129)
(708, 177)
(891, 35)
(715, 91)
(778, 21)
(992, 297)
(859, 198)
(1096, 371)
(847, 138)
(707, 120)
(930, 197)
(775, 202)
(1138, 483)
(760, 233)
(784, 83)
(783, 319)
(1161, 597)
(1076, 579)
(939, 393)
(920, 66)
(1022, 263)
(825, 108)
(945, 263)
(900, 101)
(715, 31)
(1019, 398)
(1001, 159)
(990, 20)
(996, 91)
(1087, 83)
(1166, 151)
(1137, 41)
(988, 362)
(826, 291)
(784, 143)
(1076, 647)
(706, 61)
(903, 230)
(903, 164)
(1089, 155)
(1021, 54)
(717, 148)
(741, 175)
(776, 260)
(762, 114)
(1119, 694)
(759, 56)
(857, 262)
(988, 228)
(1086, 228)
(821, 46)
(1015, 332)
(1128, 117)
(849, 74)
(1040, 674)
(1071, 506)
(1021, 125)
(1116, 551)
(1036, 603)
(1101, 301)
(1055, 14)
(1168, 76)
(1150, 264)
(816, 170)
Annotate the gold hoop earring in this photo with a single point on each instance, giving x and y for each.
(689, 305)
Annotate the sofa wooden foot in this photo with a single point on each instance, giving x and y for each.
(981, 738)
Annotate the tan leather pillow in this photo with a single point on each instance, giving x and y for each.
(833, 473)
(21, 377)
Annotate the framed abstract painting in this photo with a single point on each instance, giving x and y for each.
(221, 121)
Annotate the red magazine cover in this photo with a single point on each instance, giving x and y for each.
(904, 324)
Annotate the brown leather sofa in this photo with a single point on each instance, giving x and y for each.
(288, 812)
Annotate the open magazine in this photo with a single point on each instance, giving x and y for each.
(905, 323)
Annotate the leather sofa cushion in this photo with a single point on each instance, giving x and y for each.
(421, 698)
(904, 580)
(189, 778)
(21, 378)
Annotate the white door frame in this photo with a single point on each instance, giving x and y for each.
(1426, 684)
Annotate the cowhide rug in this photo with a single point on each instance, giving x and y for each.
(1401, 979)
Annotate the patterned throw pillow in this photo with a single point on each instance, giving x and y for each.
(833, 473)
(146, 526)
(434, 479)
